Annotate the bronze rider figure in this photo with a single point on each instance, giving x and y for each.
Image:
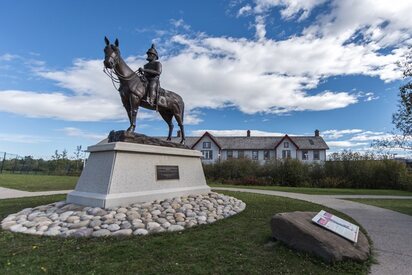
(152, 71)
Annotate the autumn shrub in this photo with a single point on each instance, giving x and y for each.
(344, 171)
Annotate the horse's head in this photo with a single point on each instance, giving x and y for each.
(111, 54)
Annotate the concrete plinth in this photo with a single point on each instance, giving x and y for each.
(120, 173)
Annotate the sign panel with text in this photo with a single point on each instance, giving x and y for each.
(337, 225)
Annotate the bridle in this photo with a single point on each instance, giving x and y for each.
(115, 75)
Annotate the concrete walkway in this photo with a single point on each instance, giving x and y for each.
(390, 231)
(7, 193)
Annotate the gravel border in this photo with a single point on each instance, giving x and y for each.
(71, 220)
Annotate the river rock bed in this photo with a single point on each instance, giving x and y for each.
(70, 220)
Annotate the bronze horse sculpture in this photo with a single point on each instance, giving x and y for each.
(133, 92)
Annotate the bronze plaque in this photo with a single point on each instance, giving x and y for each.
(167, 172)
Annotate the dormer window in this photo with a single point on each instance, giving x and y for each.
(286, 144)
(207, 144)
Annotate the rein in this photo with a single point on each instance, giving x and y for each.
(109, 72)
(117, 76)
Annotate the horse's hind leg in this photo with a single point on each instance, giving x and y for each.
(179, 120)
(167, 116)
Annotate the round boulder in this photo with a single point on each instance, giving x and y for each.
(296, 230)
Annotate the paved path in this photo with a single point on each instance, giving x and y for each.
(390, 231)
(6, 193)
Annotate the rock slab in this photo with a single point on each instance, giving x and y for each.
(124, 136)
(297, 231)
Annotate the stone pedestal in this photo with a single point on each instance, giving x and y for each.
(121, 173)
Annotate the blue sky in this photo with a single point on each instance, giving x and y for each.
(271, 66)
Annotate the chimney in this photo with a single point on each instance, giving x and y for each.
(316, 133)
(248, 133)
(179, 133)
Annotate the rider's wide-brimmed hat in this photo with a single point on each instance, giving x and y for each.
(153, 51)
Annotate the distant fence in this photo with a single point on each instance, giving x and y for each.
(15, 164)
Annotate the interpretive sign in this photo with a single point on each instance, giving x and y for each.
(337, 225)
(167, 172)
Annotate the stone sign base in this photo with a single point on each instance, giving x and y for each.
(297, 231)
(121, 173)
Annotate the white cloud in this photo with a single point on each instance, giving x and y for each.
(358, 140)
(288, 8)
(346, 144)
(60, 106)
(180, 23)
(379, 23)
(8, 57)
(256, 76)
(84, 78)
(333, 134)
(244, 10)
(371, 136)
(260, 28)
(369, 96)
(21, 138)
(91, 96)
(76, 132)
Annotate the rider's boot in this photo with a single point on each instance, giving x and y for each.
(151, 99)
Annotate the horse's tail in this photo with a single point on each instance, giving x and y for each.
(183, 110)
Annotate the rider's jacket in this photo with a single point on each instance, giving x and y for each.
(154, 66)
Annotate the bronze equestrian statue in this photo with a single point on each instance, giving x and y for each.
(133, 88)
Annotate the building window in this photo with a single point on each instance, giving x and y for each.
(286, 154)
(241, 154)
(286, 144)
(207, 154)
(305, 155)
(316, 155)
(255, 155)
(266, 155)
(229, 154)
(207, 144)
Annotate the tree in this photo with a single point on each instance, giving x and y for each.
(402, 119)
(78, 156)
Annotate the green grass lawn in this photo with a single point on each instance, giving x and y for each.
(232, 246)
(37, 182)
(51, 183)
(322, 191)
(403, 206)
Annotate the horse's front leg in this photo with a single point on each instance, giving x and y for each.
(133, 108)
(132, 118)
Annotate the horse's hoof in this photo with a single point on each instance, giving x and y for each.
(130, 130)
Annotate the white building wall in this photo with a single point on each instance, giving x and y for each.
(274, 154)
(322, 156)
(281, 147)
(248, 154)
(213, 147)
